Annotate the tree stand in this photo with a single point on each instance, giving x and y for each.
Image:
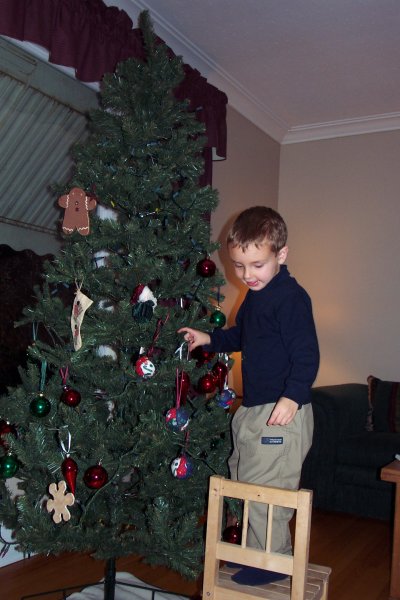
(109, 580)
(109, 586)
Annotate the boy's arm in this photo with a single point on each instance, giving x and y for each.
(284, 412)
(226, 340)
(300, 339)
(219, 340)
(194, 337)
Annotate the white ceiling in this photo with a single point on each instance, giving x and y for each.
(298, 69)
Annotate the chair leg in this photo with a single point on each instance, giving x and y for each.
(325, 591)
(214, 524)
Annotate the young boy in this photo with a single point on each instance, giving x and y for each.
(275, 332)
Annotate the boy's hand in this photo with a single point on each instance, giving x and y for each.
(284, 412)
(194, 337)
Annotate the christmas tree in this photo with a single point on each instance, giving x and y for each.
(115, 428)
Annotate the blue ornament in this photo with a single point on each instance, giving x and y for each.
(182, 467)
(177, 419)
(226, 398)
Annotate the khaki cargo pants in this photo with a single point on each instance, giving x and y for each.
(273, 456)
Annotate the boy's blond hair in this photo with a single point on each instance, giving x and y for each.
(258, 225)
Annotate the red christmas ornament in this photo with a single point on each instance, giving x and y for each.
(220, 371)
(206, 384)
(183, 386)
(70, 397)
(5, 428)
(95, 477)
(206, 267)
(144, 367)
(202, 356)
(69, 469)
(233, 534)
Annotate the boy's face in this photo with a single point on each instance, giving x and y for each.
(256, 266)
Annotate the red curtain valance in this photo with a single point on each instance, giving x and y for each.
(93, 38)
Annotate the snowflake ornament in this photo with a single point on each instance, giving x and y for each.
(60, 502)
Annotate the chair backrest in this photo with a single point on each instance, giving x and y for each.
(216, 549)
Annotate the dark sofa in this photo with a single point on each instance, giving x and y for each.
(355, 435)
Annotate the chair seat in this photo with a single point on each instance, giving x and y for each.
(316, 588)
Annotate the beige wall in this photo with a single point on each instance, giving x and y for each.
(249, 176)
(341, 200)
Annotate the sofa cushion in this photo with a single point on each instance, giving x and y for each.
(368, 449)
(384, 403)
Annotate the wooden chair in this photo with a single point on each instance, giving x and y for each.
(304, 581)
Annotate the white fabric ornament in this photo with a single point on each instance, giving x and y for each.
(79, 307)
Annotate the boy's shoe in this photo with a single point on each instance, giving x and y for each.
(254, 576)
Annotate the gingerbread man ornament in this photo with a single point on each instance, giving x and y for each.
(77, 206)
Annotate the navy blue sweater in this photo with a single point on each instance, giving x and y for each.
(276, 334)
